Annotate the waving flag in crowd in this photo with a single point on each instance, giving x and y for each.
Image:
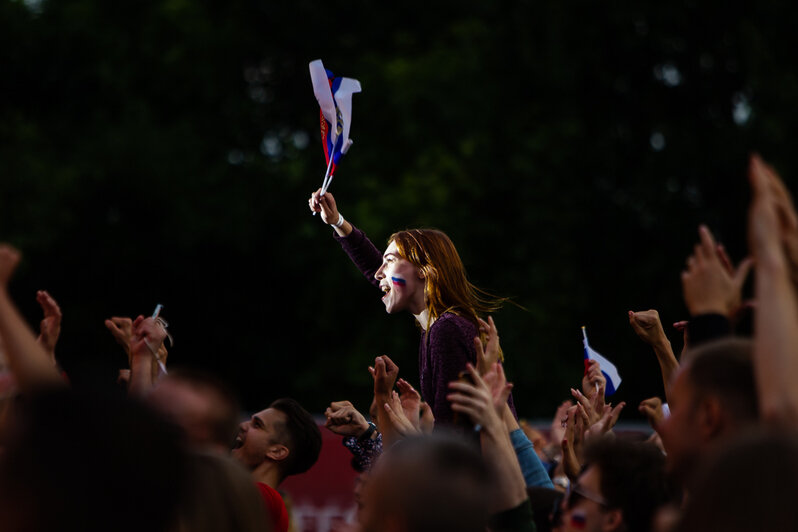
(335, 103)
(607, 368)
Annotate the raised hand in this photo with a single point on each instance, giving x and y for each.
(410, 400)
(345, 420)
(385, 373)
(489, 352)
(477, 400)
(773, 222)
(707, 284)
(572, 444)
(590, 409)
(145, 344)
(148, 336)
(652, 409)
(9, 259)
(50, 327)
(28, 360)
(401, 424)
(594, 383)
(427, 421)
(557, 431)
(496, 382)
(648, 327)
(609, 418)
(325, 205)
(329, 212)
(122, 331)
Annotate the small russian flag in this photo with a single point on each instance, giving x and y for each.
(607, 368)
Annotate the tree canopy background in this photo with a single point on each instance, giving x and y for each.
(164, 150)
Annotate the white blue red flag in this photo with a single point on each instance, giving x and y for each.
(607, 368)
(335, 102)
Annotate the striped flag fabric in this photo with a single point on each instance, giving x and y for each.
(335, 112)
(607, 368)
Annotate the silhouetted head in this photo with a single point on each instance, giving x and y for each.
(712, 396)
(82, 461)
(428, 484)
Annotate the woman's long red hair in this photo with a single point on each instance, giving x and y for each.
(446, 287)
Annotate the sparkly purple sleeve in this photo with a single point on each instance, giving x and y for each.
(362, 252)
(364, 453)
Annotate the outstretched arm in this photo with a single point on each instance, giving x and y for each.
(354, 242)
(147, 339)
(385, 373)
(648, 327)
(50, 327)
(772, 226)
(29, 361)
(488, 366)
(478, 403)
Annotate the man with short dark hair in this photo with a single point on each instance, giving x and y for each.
(621, 488)
(275, 443)
(712, 397)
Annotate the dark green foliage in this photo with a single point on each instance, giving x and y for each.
(163, 151)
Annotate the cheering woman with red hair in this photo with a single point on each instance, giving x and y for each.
(420, 272)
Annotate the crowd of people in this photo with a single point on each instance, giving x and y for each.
(452, 455)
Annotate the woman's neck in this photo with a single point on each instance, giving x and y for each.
(422, 318)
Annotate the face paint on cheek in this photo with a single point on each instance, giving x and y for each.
(398, 281)
(578, 520)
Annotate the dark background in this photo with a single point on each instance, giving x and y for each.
(164, 151)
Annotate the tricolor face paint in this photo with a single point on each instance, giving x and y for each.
(401, 283)
(578, 520)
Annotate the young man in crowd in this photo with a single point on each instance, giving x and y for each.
(621, 488)
(713, 397)
(275, 443)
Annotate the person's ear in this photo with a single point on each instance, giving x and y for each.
(612, 520)
(277, 452)
(710, 418)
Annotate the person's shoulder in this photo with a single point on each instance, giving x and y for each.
(269, 494)
(451, 322)
(452, 319)
(275, 506)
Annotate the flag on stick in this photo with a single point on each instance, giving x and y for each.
(335, 114)
(607, 368)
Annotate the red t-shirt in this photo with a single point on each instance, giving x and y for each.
(275, 506)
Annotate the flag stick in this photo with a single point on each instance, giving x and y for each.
(584, 335)
(324, 190)
(325, 183)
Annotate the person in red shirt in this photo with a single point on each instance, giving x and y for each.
(275, 443)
